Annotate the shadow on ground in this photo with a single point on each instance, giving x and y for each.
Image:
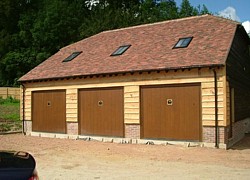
(243, 144)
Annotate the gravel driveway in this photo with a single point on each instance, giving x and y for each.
(77, 159)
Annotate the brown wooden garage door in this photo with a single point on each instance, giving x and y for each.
(171, 112)
(101, 112)
(49, 111)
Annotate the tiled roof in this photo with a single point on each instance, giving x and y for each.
(151, 49)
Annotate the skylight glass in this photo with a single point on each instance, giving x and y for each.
(72, 56)
(120, 50)
(183, 42)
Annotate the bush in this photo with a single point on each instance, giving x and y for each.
(1, 100)
(5, 127)
(14, 117)
(9, 99)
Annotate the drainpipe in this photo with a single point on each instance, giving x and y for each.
(216, 108)
(23, 99)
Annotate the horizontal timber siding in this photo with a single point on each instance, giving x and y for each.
(131, 84)
(131, 104)
(71, 105)
(27, 105)
(238, 74)
(208, 101)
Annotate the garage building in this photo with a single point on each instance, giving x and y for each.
(179, 80)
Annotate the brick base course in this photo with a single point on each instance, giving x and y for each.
(132, 131)
(72, 128)
(27, 127)
(239, 130)
(209, 134)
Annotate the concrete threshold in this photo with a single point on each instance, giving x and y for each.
(126, 140)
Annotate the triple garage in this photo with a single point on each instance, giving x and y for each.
(166, 112)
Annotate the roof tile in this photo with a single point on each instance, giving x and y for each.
(152, 49)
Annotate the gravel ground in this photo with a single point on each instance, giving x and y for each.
(76, 159)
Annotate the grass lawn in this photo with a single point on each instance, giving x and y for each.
(10, 115)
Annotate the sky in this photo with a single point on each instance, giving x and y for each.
(238, 10)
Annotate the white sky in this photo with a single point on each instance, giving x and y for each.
(246, 25)
(231, 13)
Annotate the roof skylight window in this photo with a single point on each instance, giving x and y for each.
(120, 50)
(72, 56)
(183, 42)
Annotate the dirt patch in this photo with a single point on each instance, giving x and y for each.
(74, 159)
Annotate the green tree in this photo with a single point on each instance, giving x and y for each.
(201, 10)
(148, 11)
(9, 15)
(167, 10)
(204, 10)
(9, 37)
(57, 25)
(186, 9)
(108, 14)
(32, 30)
(40, 30)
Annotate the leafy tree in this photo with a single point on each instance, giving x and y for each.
(186, 9)
(9, 38)
(204, 10)
(108, 14)
(168, 10)
(15, 63)
(148, 11)
(9, 14)
(199, 11)
(57, 27)
(31, 30)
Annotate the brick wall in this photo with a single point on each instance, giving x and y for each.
(72, 128)
(209, 134)
(239, 130)
(132, 131)
(27, 127)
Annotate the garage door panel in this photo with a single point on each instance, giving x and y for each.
(179, 120)
(49, 111)
(101, 111)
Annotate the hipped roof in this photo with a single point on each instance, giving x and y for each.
(151, 49)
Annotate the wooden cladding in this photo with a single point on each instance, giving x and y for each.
(132, 99)
(49, 111)
(171, 112)
(101, 112)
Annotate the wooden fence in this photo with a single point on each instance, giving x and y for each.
(9, 91)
